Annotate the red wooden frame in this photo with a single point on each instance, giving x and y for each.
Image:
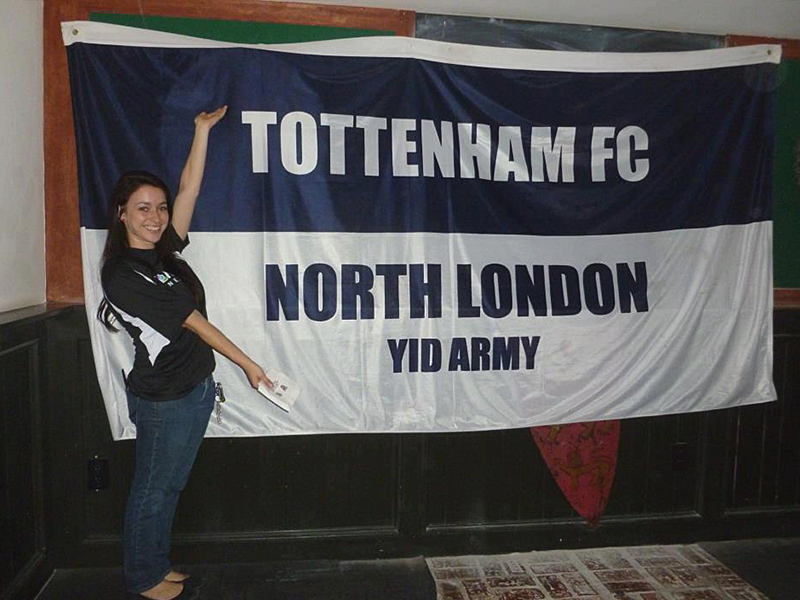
(62, 224)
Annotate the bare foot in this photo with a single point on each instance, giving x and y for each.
(176, 577)
(166, 590)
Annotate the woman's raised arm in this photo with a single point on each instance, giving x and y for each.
(192, 174)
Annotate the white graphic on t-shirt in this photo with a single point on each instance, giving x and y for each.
(153, 341)
(145, 276)
(163, 277)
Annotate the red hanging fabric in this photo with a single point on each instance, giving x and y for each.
(583, 459)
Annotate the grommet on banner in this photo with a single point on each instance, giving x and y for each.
(75, 32)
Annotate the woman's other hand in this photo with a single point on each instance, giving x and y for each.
(208, 120)
(255, 375)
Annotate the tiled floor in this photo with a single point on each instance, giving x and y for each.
(772, 566)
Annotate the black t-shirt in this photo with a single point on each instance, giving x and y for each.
(152, 304)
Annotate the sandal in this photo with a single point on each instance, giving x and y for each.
(166, 590)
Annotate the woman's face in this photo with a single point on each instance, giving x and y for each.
(145, 216)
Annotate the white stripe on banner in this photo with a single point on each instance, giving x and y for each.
(703, 340)
(457, 54)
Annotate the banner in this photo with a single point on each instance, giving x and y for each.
(435, 237)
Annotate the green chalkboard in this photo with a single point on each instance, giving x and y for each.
(786, 212)
(239, 32)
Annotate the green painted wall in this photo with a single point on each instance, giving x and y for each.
(240, 32)
(786, 213)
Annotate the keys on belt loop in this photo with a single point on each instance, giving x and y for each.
(219, 397)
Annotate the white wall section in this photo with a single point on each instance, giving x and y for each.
(22, 259)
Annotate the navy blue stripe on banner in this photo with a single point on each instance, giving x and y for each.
(651, 151)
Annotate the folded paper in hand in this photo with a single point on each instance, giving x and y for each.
(283, 393)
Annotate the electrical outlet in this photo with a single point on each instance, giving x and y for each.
(680, 456)
(98, 474)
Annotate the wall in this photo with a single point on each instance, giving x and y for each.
(23, 374)
(22, 259)
(719, 475)
(770, 18)
(22, 262)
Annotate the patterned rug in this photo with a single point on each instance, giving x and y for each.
(636, 573)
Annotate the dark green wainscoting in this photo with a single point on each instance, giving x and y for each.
(720, 475)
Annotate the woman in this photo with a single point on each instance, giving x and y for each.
(160, 302)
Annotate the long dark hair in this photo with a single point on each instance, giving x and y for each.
(116, 247)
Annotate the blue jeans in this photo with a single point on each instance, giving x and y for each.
(168, 435)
